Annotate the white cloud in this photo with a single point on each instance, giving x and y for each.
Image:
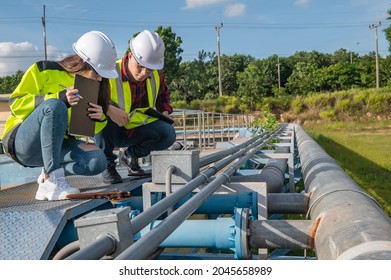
(19, 56)
(230, 10)
(192, 4)
(16, 56)
(302, 2)
(235, 10)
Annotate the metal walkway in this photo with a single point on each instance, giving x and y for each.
(31, 229)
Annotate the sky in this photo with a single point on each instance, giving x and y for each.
(260, 28)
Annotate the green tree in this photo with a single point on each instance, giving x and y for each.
(388, 31)
(172, 56)
(252, 83)
(196, 78)
(9, 83)
(231, 65)
(385, 71)
(340, 76)
(315, 58)
(302, 80)
(300, 70)
(270, 73)
(367, 68)
(181, 86)
(341, 55)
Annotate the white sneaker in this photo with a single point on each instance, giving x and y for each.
(55, 188)
(41, 178)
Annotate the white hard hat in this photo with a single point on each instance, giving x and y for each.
(98, 50)
(148, 50)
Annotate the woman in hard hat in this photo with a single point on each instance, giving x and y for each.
(139, 87)
(36, 133)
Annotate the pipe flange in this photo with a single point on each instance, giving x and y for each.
(242, 217)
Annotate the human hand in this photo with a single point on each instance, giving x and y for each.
(96, 111)
(165, 113)
(72, 95)
(118, 116)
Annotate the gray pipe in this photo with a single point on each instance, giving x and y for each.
(273, 173)
(226, 203)
(351, 223)
(104, 245)
(222, 154)
(277, 203)
(170, 170)
(287, 203)
(67, 250)
(282, 234)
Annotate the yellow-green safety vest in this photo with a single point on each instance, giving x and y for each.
(121, 97)
(39, 83)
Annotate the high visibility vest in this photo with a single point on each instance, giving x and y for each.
(39, 83)
(121, 97)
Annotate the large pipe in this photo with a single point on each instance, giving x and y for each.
(226, 203)
(287, 203)
(273, 173)
(351, 223)
(282, 234)
(277, 203)
(217, 234)
(220, 234)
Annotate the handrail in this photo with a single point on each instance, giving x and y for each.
(208, 126)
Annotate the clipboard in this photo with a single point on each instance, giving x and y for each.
(80, 123)
(153, 113)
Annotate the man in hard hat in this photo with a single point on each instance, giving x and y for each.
(139, 87)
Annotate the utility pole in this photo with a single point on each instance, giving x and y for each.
(351, 53)
(375, 26)
(279, 74)
(44, 33)
(218, 27)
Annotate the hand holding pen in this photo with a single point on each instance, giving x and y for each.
(76, 94)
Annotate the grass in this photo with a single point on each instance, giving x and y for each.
(363, 150)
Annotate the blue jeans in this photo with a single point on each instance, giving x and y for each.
(40, 141)
(155, 136)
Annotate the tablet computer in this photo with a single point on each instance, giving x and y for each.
(153, 113)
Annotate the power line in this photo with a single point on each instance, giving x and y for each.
(126, 24)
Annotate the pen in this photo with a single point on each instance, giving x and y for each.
(64, 87)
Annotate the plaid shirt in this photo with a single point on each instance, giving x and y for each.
(140, 95)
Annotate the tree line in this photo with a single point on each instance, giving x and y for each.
(251, 79)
